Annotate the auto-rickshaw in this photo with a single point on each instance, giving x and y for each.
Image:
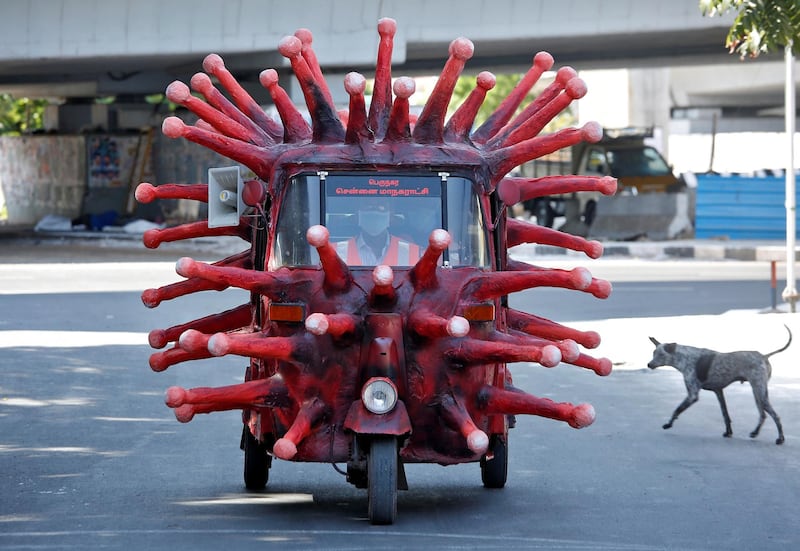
(378, 330)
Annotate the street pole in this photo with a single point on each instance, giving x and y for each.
(790, 292)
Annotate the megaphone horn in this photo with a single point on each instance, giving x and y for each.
(225, 203)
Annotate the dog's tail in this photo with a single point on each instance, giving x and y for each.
(784, 346)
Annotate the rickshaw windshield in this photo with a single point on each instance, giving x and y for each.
(380, 219)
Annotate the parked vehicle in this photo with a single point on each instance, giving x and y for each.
(621, 153)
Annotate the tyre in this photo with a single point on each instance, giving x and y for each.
(256, 462)
(544, 214)
(494, 471)
(382, 480)
(590, 212)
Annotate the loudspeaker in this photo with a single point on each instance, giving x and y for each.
(225, 203)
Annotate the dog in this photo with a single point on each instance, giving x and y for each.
(710, 370)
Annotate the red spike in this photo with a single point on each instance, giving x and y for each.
(542, 62)
(503, 160)
(203, 125)
(310, 413)
(258, 159)
(473, 352)
(531, 127)
(357, 129)
(382, 89)
(600, 288)
(325, 124)
(496, 284)
(516, 402)
(518, 232)
(427, 324)
(601, 366)
(542, 327)
(259, 393)
(295, 127)
(430, 124)
(423, 275)
(228, 320)
(179, 93)
(156, 236)
(306, 38)
(270, 284)
(202, 83)
(214, 65)
(568, 347)
(336, 325)
(153, 297)
(383, 291)
(256, 345)
(147, 193)
(192, 340)
(160, 361)
(399, 129)
(455, 415)
(337, 274)
(460, 124)
(515, 190)
(564, 75)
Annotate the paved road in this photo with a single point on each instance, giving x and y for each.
(90, 456)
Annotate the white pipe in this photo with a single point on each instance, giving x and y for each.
(790, 292)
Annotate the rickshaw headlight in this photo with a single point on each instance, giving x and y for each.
(379, 395)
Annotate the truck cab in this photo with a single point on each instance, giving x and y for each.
(623, 154)
(637, 166)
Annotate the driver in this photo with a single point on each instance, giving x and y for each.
(374, 244)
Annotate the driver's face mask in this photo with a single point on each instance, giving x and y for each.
(373, 222)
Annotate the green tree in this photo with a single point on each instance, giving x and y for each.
(760, 26)
(21, 115)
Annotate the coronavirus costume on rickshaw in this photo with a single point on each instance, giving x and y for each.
(382, 365)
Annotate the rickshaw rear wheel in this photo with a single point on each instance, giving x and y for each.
(382, 463)
(256, 461)
(494, 471)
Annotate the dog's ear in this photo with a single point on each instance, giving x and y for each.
(655, 342)
(670, 348)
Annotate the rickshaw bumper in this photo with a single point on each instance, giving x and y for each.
(362, 421)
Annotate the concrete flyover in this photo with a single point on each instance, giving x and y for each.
(75, 48)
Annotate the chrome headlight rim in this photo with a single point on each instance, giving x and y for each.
(379, 395)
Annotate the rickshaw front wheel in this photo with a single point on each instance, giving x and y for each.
(256, 461)
(382, 471)
(494, 471)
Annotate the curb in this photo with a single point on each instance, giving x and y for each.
(666, 250)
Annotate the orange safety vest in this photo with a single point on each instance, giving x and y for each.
(398, 253)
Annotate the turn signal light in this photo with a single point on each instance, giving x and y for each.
(289, 312)
(479, 312)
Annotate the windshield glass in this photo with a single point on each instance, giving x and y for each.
(380, 219)
(645, 161)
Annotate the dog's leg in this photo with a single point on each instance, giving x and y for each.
(777, 420)
(725, 416)
(690, 399)
(762, 403)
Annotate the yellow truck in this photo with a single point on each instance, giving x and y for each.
(622, 153)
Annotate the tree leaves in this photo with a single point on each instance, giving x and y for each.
(22, 115)
(760, 26)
